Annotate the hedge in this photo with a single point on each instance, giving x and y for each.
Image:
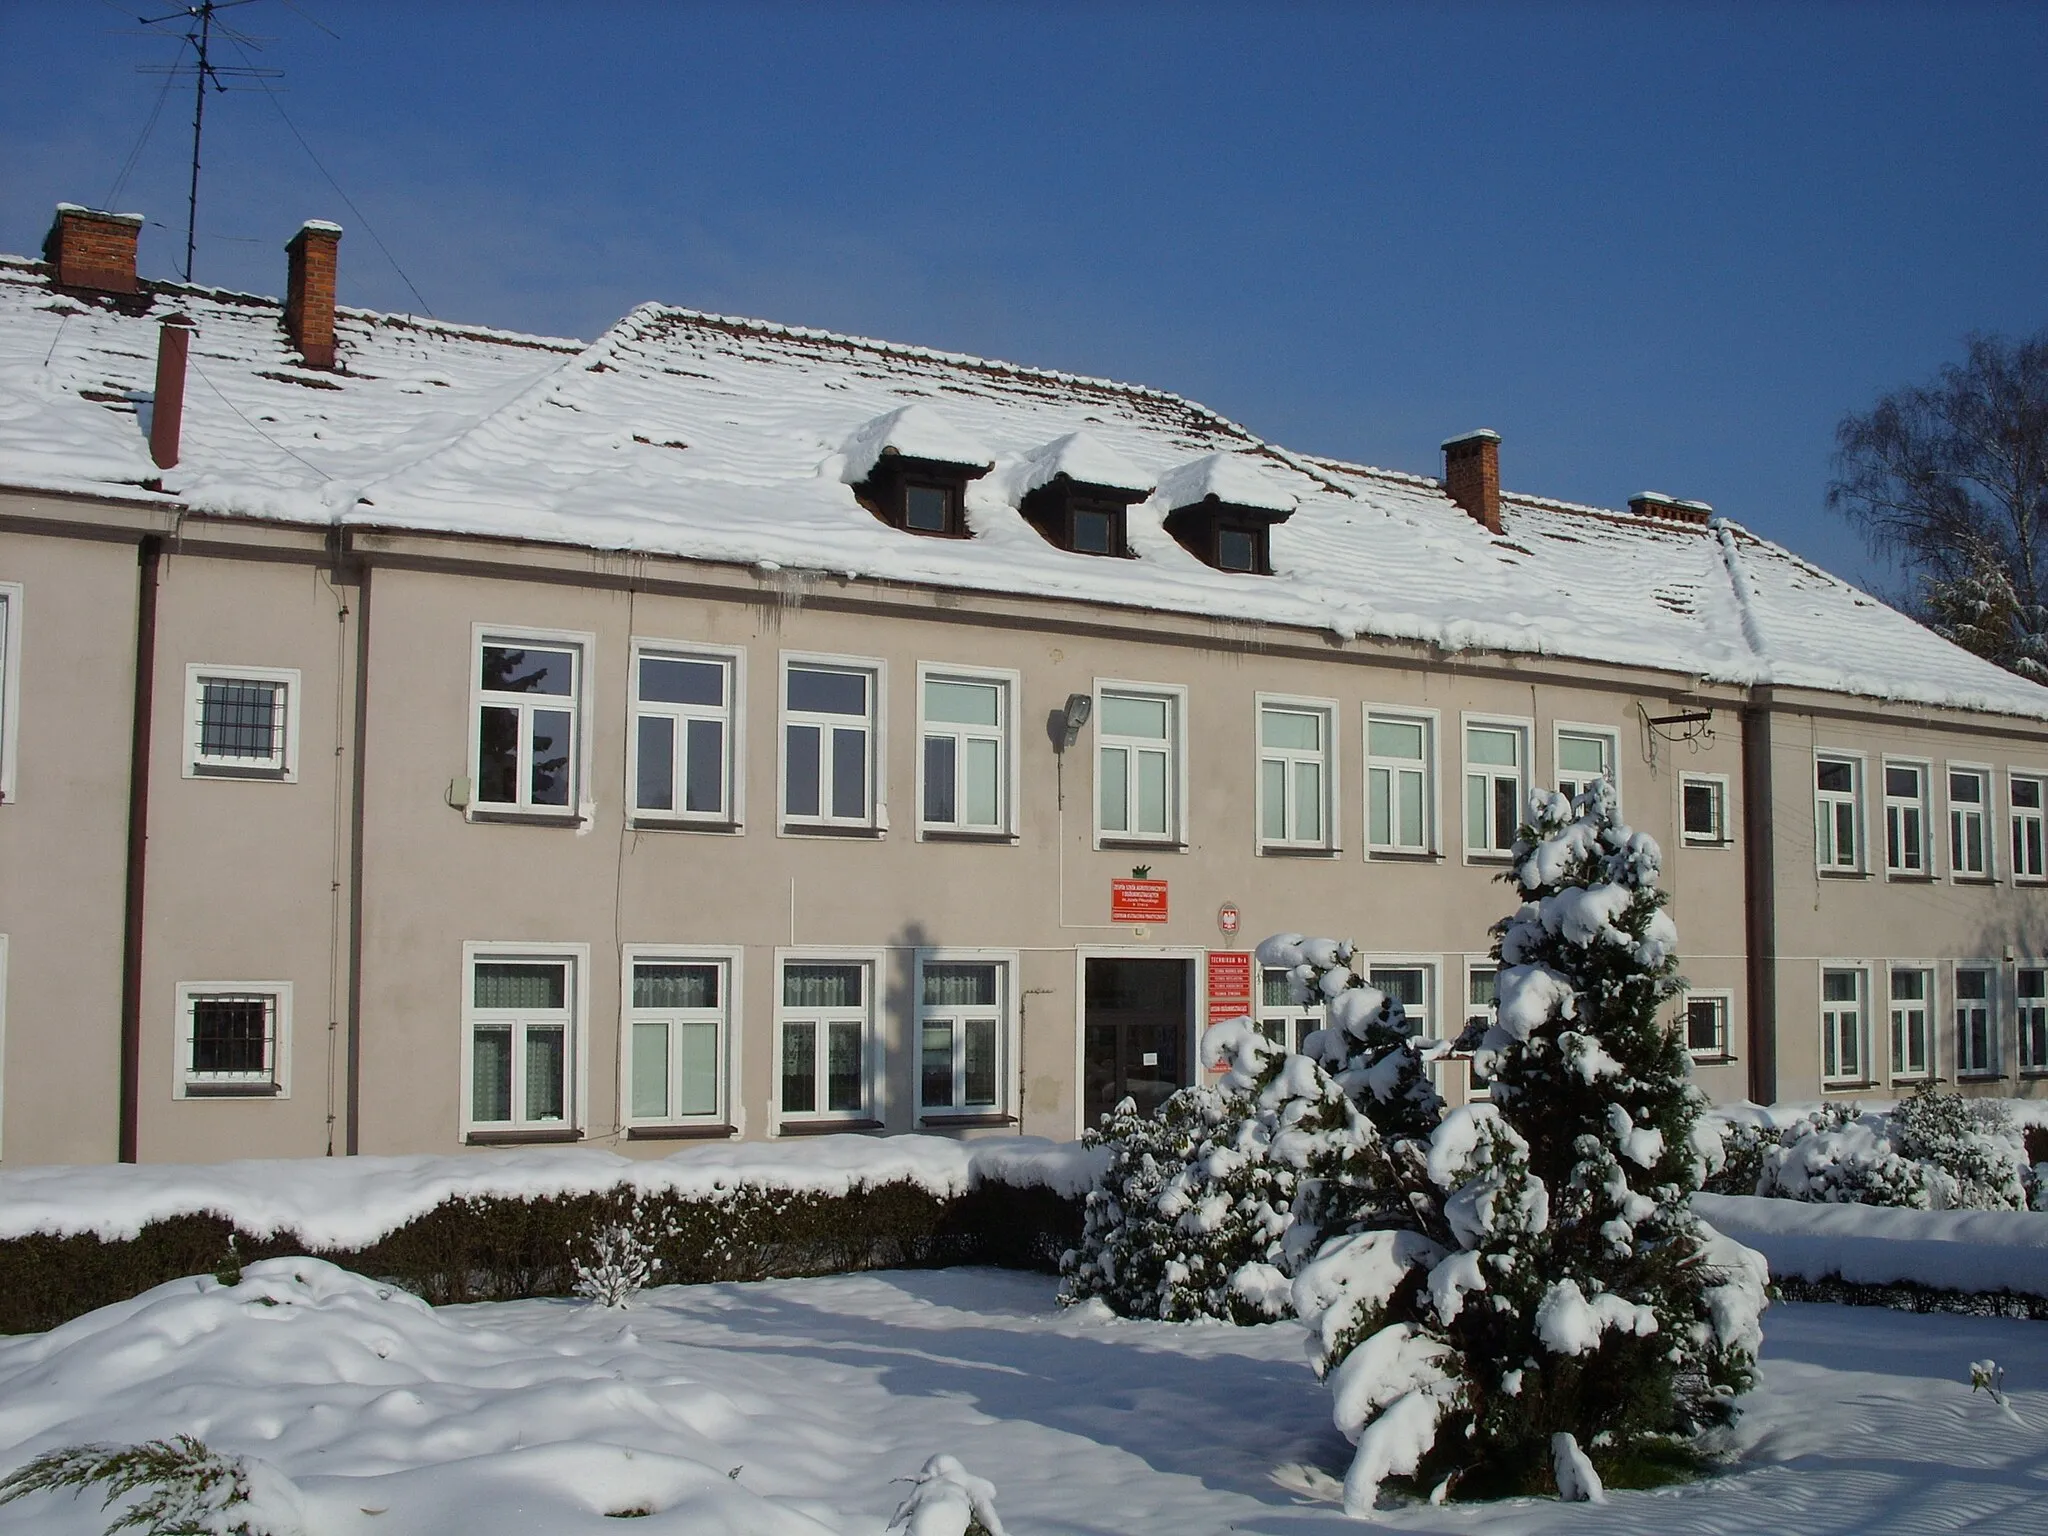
(503, 1249)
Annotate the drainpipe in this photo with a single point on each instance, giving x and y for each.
(150, 557)
(1759, 902)
(352, 1124)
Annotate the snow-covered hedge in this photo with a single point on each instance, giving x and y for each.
(1978, 1253)
(493, 1226)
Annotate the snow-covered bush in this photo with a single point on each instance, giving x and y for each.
(1209, 1205)
(1548, 1278)
(948, 1500)
(1744, 1145)
(617, 1262)
(1936, 1151)
(177, 1487)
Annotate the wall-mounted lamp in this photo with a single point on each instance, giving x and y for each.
(1079, 707)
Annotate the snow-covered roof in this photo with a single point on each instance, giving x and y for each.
(915, 431)
(713, 438)
(1232, 478)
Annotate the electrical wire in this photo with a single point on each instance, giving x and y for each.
(135, 154)
(280, 447)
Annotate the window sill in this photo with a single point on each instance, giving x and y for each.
(1984, 880)
(1404, 855)
(945, 1122)
(1849, 1085)
(1845, 874)
(1505, 856)
(1906, 877)
(223, 771)
(680, 1132)
(1143, 844)
(825, 829)
(824, 1127)
(1707, 842)
(510, 818)
(233, 1091)
(1290, 851)
(948, 835)
(1711, 1059)
(1979, 1075)
(680, 824)
(536, 1136)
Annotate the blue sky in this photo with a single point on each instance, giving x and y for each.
(1653, 246)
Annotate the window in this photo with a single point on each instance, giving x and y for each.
(1412, 987)
(1583, 755)
(1706, 1026)
(1400, 783)
(1912, 992)
(1969, 808)
(1482, 995)
(1282, 1020)
(1905, 819)
(522, 1038)
(1137, 779)
(527, 746)
(241, 723)
(1841, 1026)
(2028, 797)
(686, 735)
(1976, 1045)
(680, 1008)
(966, 765)
(826, 1026)
(1297, 774)
(963, 1035)
(1703, 810)
(831, 714)
(1495, 756)
(1838, 813)
(234, 1039)
(10, 683)
(2030, 995)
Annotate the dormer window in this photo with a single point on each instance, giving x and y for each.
(911, 469)
(1221, 510)
(1077, 492)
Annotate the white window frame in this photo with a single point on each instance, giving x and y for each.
(2029, 1014)
(1929, 1004)
(1007, 963)
(875, 817)
(1861, 1077)
(1476, 1087)
(1297, 1020)
(10, 688)
(1331, 840)
(2019, 817)
(1987, 788)
(1610, 751)
(732, 715)
(1431, 966)
(580, 701)
(1176, 697)
(575, 1059)
(1965, 1067)
(1721, 836)
(1895, 809)
(3, 1046)
(1859, 861)
(283, 765)
(729, 958)
(1525, 729)
(1432, 789)
(873, 1065)
(1724, 1002)
(257, 1086)
(1010, 686)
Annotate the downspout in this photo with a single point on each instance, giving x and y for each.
(149, 555)
(353, 1072)
(1759, 902)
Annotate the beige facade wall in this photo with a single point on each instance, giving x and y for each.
(250, 881)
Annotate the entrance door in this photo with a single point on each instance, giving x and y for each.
(1136, 1026)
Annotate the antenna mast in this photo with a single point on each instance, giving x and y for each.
(203, 72)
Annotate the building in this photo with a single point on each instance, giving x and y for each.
(417, 736)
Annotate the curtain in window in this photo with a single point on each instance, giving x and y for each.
(821, 986)
(960, 986)
(500, 984)
(675, 986)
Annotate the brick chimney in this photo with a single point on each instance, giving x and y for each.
(1472, 476)
(309, 291)
(93, 250)
(1655, 504)
(167, 413)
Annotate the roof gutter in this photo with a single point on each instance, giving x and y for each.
(149, 555)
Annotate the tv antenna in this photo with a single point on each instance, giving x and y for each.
(200, 23)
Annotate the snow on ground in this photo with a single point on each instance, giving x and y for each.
(352, 1202)
(787, 1407)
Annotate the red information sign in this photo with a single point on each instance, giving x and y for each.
(1137, 901)
(1230, 984)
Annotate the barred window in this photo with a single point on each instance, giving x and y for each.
(233, 1039)
(240, 722)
